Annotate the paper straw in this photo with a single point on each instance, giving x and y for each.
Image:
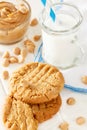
(47, 4)
(51, 12)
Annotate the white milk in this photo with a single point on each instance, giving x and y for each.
(61, 50)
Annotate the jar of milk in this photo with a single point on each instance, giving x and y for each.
(61, 39)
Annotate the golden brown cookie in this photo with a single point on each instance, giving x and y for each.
(45, 111)
(18, 115)
(36, 83)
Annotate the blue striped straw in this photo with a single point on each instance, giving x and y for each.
(47, 3)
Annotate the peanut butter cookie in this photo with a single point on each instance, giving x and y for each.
(18, 115)
(45, 111)
(44, 82)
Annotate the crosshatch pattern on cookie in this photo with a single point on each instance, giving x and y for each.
(44, 83)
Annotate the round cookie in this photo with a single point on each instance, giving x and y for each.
(36, 83)
(18, 115)
(45, 111)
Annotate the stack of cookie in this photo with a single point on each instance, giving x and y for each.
(34, 96)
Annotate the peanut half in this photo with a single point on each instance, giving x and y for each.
(64, 126)
(16, 51)
(5, 75)
(71, 101)
(34, 22)
(80, 120)
(84, 79)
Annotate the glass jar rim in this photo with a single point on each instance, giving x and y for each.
(67, 31)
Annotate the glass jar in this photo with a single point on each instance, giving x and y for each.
(61, 44)
(14, 20)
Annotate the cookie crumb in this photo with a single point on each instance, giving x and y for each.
(5, 62)
(37, 38)
(34, 22)
(84, 79)
(71, 101)
(5, 75)
(80, 120)
(6, 54)
(16, 51)
(29, 45)
(64, 126)
(13, 59)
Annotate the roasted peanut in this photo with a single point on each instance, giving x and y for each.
(16, 51)
(6, 54)
(37, 38)
(31, 48)
(71, 101)
(5, 75)
(64, 126)
(29, 45)
(80, 120)
(13, 59)
(21, 60)
(5, 62)
(84, 79)
(34, 22)
(23, 52)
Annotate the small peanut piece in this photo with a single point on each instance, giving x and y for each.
(80, 120)
(6, 54)
(37, 38)
(13, 59)
(23, 52)
(5, 62)
(23, 55)
(34, 22)
(21, 60)
(84, 79)
(29, 45)
(16, 51)
(64, 126)
(71, 101)
(5, 75)
(31, 48)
